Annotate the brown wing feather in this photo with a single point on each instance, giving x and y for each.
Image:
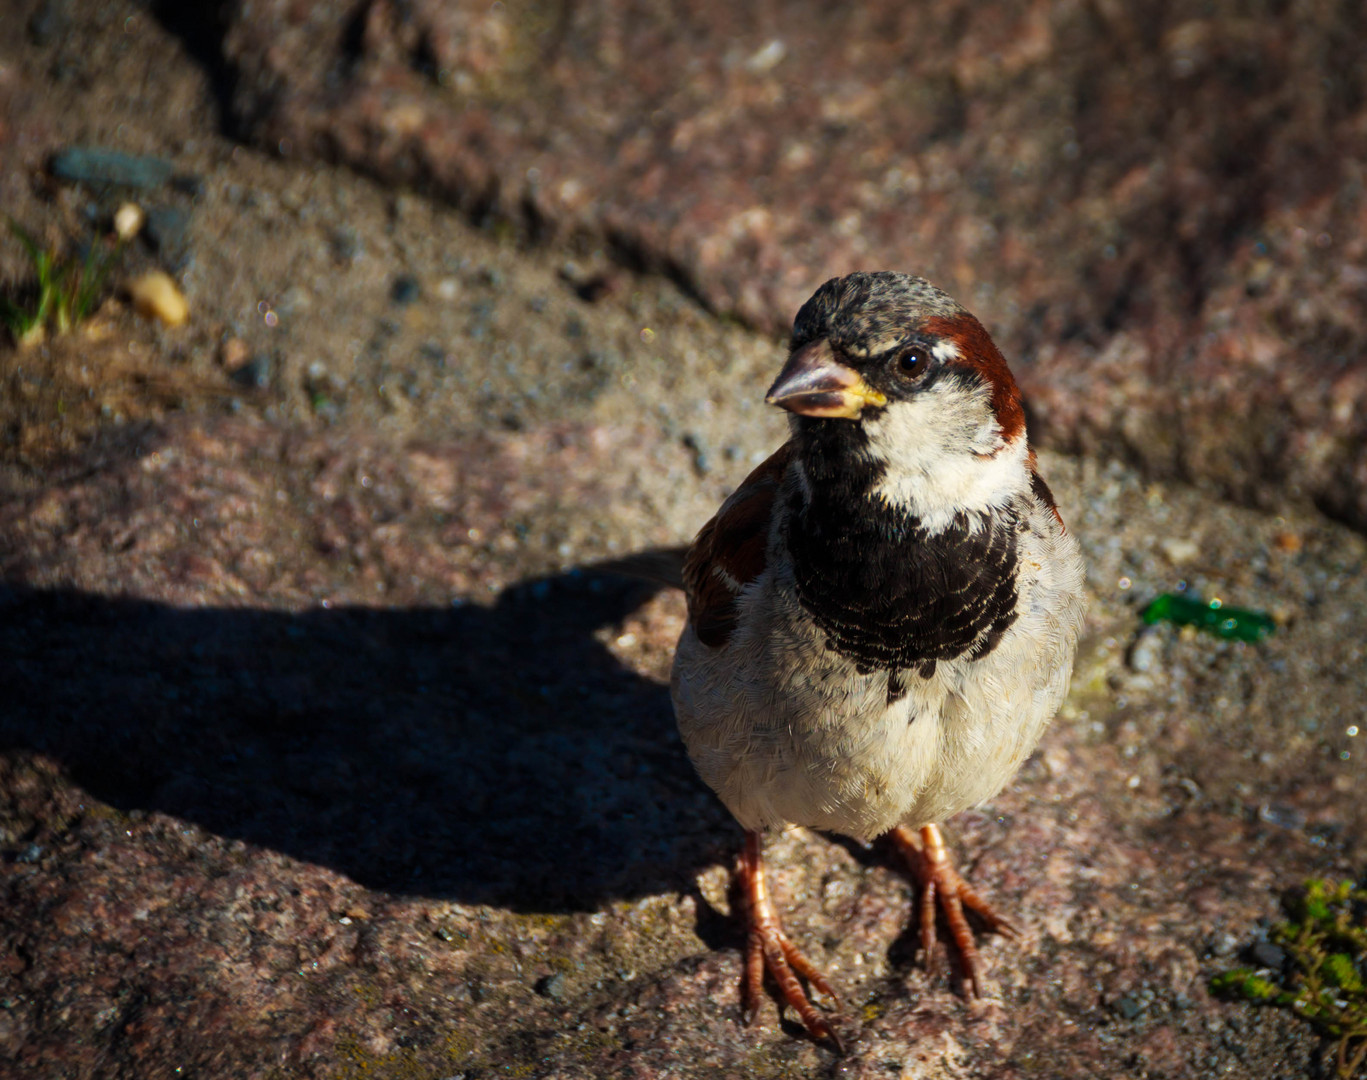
(1042, 492)
(730, 549)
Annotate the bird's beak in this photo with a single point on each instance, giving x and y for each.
(814, 383)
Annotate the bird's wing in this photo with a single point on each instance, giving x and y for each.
(730, 550)
(663, 566)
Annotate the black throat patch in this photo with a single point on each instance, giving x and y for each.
(889, 594)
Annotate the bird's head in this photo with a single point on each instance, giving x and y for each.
(889, 372)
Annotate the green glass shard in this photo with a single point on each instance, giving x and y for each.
(1239, 624)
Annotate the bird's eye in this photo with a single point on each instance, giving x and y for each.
(911, 363)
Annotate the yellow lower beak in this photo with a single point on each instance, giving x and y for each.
(814, 383)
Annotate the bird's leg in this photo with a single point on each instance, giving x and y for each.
(928, 859)
(768, 946)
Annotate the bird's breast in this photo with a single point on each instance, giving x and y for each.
(891, 594)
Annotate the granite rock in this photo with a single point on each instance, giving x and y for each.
(1158, 210)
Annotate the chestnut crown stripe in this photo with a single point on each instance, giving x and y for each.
(978, 352)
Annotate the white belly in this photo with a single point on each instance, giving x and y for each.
(787, 732)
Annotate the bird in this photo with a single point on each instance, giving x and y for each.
(882, 618)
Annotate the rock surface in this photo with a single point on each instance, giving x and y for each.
(1158, 209)
(321, 756)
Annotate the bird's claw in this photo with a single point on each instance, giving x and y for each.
(769, 948)
(944, 889)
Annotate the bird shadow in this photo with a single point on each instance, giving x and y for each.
(490, 754)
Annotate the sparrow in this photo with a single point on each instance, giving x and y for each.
(882, 618)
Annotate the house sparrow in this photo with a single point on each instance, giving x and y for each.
(882, 618)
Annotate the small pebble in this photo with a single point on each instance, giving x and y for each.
(155, 296)
(766, 58)
(702, 463)
(346, 245)
(318, 379)
(588, 283)
(95, 165)
(406, 290)
(233, 353)
(30, 854)
(1224, 944)
(1146, 652)
(1281, 815)
(1287, 542)
(1178, 550)
(128, 220)
(1267, 955)
(255, 374)
(1129, 1006)
(552, 986)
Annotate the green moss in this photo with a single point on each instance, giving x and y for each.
(1325, 938)
(356, 1062)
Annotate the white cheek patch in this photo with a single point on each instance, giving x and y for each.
(943, 453)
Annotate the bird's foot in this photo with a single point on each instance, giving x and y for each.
(767, 946)
(942, 887)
